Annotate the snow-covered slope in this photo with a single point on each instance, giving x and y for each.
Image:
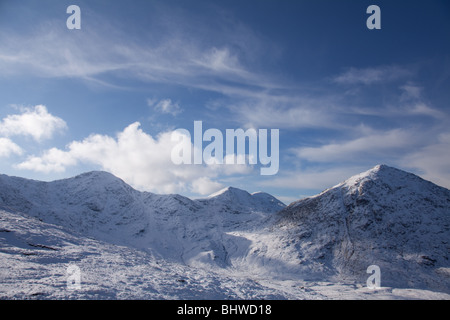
(245, 245)
(100, 205)
(386, 217)
(36, 257)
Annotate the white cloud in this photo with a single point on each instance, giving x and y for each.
(51, 52)
(424, 152)
(313, 179)
(53, 160)
(412, 103)
(139, 159)
(286, 112)
(370, 146)
(35, 122)
(205, 186)
(421, 108)
(411, 91)
(7, 148)
(367, 76)
(165, 106)
(221, 60)
(335, 162)
(432, 160)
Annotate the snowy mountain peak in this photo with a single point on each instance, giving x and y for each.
(373, 173)
(264, 197)
(240, 201)
(387, 178)
(97, 177)
(384, 216)
(230, 192)
(382, 170)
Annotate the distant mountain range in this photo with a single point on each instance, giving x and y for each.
(243, 245)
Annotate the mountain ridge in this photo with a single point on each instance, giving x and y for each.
(99, 205)
(384, 216)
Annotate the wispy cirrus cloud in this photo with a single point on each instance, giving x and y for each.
(371, 146)
(432, 160)
(288, 111)
(165, 106)
(314, 178)
(181, 59)
(424, 152)
(368, 76)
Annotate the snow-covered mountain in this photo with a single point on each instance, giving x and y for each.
(386, 217)
(244, 245)
(102, 206)
(239, 201)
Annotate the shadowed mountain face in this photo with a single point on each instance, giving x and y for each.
(385, 217)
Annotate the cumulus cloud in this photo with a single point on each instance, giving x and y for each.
(138, 158)
(205, 186)
(34, 122)
(53, 160)
(7, 148)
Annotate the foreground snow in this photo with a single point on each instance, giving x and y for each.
(35, 256)
(231, 245)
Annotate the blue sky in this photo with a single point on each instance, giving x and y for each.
(108, 96)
